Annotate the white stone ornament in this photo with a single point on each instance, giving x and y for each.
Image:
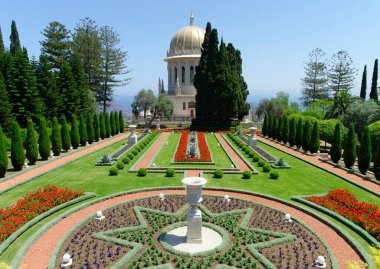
(154, 165)
(26, 165)
(232, 166)
(166, 143)
(99, 215)
(288, 218)
(132, 139)
(321, 262)
(66, 260)
(227, 198)
(52, 155)
(161, 196)
(218, 145)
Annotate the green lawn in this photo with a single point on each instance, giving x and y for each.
(301, 179)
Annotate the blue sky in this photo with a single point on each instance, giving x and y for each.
(273, 36)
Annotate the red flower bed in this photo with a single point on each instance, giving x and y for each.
(180, 155)
(345, 204)
(32, 205)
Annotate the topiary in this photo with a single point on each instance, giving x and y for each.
(255, 158)
(142, 172)
(82, 130)
(3, 155)
(218, 173)
(365, 152)
(74, 135)
(121, 122)
(126, 160)
(114, 171)
(138, 148)
(266, 168)
(56, 141)
(247, 174)
(17, 150)
(135, 152)
(107, 124)
(314, 139)
(170, 172)
(120, 165)
(65, 134)
(261, 163)
(96, 127)
(102, 126)
(90, 128)
(336, 145)
(31, 145)
(251, 154)
(130, 155)
(274, 175)
(247, 150)
(349, 153)
(43, 140)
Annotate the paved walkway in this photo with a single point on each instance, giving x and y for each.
(151, 153)
(314, 159)
(39, 253)
(33, 172)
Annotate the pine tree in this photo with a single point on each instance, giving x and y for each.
(306, 136)
(279, 128)
(43, 140)
(285, 130)
(56, 141)
(82, 130)
(107, 124)
(292, 132)
(102, 126)
(6, 116)
(31, 144)
(374, 94)
(17, 150)
(342, 73)
(349, 153)
(90, 128)
(3, 155)
(15, 40)
(65, 135)
(117, 126)
(121, 122)
(314, 139)
(2, 48)
(336, 145)
(299, 134)
(68, 91)
(365, 152)
(376, 163)
(363, 89)
(96, 127)
(264, 128)
(74, 135)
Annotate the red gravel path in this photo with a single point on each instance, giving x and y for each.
(59, 162)
(39, 253)
(319, 163)
(144, 163)
(193, 173)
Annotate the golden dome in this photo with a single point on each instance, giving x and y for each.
(187, 41)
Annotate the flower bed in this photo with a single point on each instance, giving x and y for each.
(32, 205)
(181, 153)
(347, 205)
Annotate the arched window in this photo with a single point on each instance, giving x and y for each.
(184, 106)
(175, 74)
(192, 74)
(183, 74)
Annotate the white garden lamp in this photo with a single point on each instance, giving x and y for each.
(288, 218)
(66, 260)
(321, 262)
(161, 196)
(227, 198)
(99, 215)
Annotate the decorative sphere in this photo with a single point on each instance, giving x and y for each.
(154, 164)
(321, 260)
(287, 216)
(66, 258)
(161, 196)
(226, 197)
(232, 166)
(99, 214)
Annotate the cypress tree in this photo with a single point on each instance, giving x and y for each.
(365, 152)
(90, 128)
(17, 150)
(113, 126)
(56, 141)
(314, 139)
(31, 144)
(349, 153)
(121, 122)
(15, 40)
(65, 135)
(275, 128)
(107, 124)
(3, 155)
(270, 126)
(117, 123)
(264, 129)
(43, 140)
(374, 94)
(2, 48)
(292, 132)
(6, 116)
(74, 135)
(363, 89)
(285, 130)
(299, 134)
(96, 127)
(306, 136)
(336, 145)
(82, 131)
(279, 128)
(376, 163)
(102, 126)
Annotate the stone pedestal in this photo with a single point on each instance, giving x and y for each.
(158, 127)
(252, 140)
(132, 139)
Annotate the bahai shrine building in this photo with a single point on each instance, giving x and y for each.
(182, 58)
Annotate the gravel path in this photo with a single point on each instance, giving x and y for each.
(314, 159)
(39, 253)
(59, 162)
(144, 163)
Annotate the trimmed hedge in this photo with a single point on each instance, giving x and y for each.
(266, 168)
(114, 171)
(126, 160)
(142, 172)
(120, 165)
(170, 172)
(247, 174)
(218, 173)
(274, 175)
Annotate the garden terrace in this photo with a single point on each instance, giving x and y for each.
(125, 148)
(262, 153)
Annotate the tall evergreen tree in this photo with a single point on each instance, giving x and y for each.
(365, 152)
(15, 40)
(107, 124)
(264, 128)
(43, 140)
(121, 122)
(31, 144)
(376, 163)
(374, 94)
(3, 155)
(306, 136)
(6, 116)
(292, 132)
(112, 123)
(314, 139)
(285, 130)
(96, 127)
(2, 48)
(117, 123)
(349, 153)
(65, 134)
(82, 130)
(74, 135)
(342, 73)
(17, 150)
(56, 141)
(102, 126)
(279, 128)
(299, 134)
(275, 127)
(336, 145)
(90, 128)
(363, 89)
(270, 126)
(68, 90)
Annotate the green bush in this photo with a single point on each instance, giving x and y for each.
(130, 155)
(121, 122)
(314, 139)
(251, 154)
(74, 135)
(31, 144)
(349, 153)
(247, 174)
(247, 150)
(142, 172)
(170, 172)
(90, 128)
(218, 173)
(266, 168)
(114, 171)
(374, 130)
(261, 163)
(102, 126)
(138, 148)
(65, 135)
(255, 158)
(126, 160)
(82, 130)
(120, 165)
(43, 140)
(376, 163)
(336, 145)
(96, 127)
(274, 175)
(107, 124)
(135, 152)
(17, 149)
(365, 152)
(56, 141)
(3, 155)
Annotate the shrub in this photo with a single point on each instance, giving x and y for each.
(90, 129)
(65, 134)
(170, 172)
(292, 132)
(349, 154)
(82, 131)
(376, 163)
(218, 173)
(117, 123)
(306, 136)
(56, 142)
(3, 155)
(266, 168)
(113, 123)
(274, 175)
(251, 154)
(365, 152)
(285, 130)
(314, 139)
(138, 148)
(256, 158)
(135, 152)
(247, 174)
(121, 122)
(336, 146)
(43, 140)
(130, 155)
(17, 150)
(74, 135)
(265, 125)
(126, 160)
(142, 172)
(114, 171)
(96, 127)
(261, 163)
(104, 160)
(102, 126)
(281, 163)
(31, 144)
(120, 165)
(107, 124)
(299, 134)
(247, 150)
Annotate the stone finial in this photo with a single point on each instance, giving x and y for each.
(99, 215)
(161, 196)
(191, 19)
(288, 218)
(321, 262)
(66, 260)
